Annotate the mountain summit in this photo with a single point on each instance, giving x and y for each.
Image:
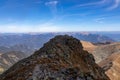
(62, 58)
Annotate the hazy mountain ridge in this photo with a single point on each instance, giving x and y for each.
(37, 40)
(11, 55)
(23, 48)
(10, 58)
(112, 34)
(61, 58)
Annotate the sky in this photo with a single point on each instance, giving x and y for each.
(59, 15)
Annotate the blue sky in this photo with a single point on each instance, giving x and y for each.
(59, 15)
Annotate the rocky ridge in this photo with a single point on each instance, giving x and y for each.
(62, 58)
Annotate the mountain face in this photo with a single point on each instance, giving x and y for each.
(107, 57)
(62, 58)
(114, 71)
(111, 65)
(10, 58)
(104, 51)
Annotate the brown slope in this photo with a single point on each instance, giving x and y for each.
(62, 58)
(108, 57)
(88, 46)
(104, 51)
(1, 68)
(112, 66)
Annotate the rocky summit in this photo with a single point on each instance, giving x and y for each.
(62, 58)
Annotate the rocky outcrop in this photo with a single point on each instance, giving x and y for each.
(62, 58)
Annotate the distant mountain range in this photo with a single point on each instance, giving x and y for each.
(37, 40)
(112, 34)
(23, 48)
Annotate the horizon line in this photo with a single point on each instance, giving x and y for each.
(55, 32)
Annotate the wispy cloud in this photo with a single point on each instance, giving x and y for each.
(53, 6)
(114, 5)
(92, 3)
(99, 20)
(54, 3)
